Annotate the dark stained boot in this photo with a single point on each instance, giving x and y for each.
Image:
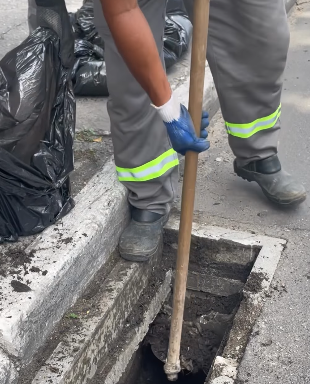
(141, 240)
(279, 186)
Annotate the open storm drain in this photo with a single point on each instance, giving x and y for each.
(218, 272)
(118, 330)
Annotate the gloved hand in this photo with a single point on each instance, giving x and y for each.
(204, 125)
(180, 128)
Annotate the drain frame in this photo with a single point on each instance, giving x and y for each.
(80, 356)
(225, 366)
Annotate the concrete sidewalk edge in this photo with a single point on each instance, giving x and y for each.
(85, 239)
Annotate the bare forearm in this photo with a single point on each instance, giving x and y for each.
(136, 44)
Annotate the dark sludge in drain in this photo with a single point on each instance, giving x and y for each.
(207, 319)
(151, 371)
(214, 294)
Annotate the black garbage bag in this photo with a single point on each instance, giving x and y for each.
(85, 24)
(85, 20)
(83, 48)
(91, 79)
(178, 33)
(37, 123)
(170, 58)
(75, 27)
(89, 72)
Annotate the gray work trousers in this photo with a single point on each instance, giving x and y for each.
(247, 51)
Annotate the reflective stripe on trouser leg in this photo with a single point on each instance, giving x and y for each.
(244, 131)
(151, 170)
(247, 50)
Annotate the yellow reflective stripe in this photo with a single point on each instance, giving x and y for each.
(150, 170)
(154, 175)
(249, 125)
(149, 164)
(247, 130)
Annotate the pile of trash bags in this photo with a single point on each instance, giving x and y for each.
(89, 73)
(37, 108)
(177, 36)
(83, 24)
(37, 124)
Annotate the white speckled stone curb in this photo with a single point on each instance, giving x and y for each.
(69, 254)
(76, 359)
(8, 373)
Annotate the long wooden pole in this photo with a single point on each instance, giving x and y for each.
(197, 74)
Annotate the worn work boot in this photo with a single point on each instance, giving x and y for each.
(141, 239)
(279, 186)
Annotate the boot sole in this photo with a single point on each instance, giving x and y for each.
(139, 258)
(245, 175)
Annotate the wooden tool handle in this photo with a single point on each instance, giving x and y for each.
(197, 74)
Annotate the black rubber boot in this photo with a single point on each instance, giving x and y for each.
(141, 239)
(279, 186)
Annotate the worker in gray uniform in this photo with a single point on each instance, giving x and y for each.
(247, 52)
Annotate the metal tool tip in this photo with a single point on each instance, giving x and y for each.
(172, 377)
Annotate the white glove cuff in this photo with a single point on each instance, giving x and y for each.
(170, 111)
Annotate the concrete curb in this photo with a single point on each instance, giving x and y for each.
(85, 239)
(76, 359)
(138, 334)
(289, 4)
(210, 98)
(8, 373)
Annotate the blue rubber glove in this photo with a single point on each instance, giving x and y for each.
(204, 125)
(180, 128)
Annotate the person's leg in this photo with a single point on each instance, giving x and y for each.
(247, 51)
(145, 162)
(248, 44)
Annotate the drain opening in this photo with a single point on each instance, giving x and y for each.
(150, 370)
(217, 273)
